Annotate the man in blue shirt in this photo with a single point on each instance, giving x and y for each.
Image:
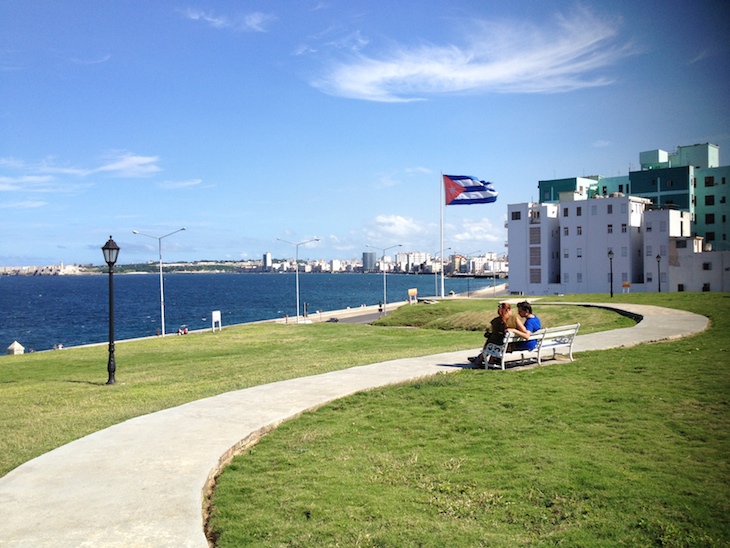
(531, 322)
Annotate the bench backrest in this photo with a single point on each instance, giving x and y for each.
(563, 333)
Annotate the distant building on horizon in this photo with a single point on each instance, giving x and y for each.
(368, 261)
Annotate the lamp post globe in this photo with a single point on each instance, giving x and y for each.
(111, 253)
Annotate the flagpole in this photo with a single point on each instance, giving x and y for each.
(441, 194)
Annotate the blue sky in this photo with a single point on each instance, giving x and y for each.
(250, 121)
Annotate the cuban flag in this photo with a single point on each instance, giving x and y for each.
(464, 189)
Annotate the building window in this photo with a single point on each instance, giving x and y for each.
(579, 211)
(706, 266)
(610, 209)
(648, 251)
(706, 287)
(565, 212)
(648, 227)
(710, 200)
(566, 255)
(722, 199)
(579, 230)
(604, 191)
(623, 228)
(535, 256)
(535, 276)
(709, 218)
(709, 181)
(565, 231)
(579, 277)
(663, 250)
(649, 279)
(680, 287)
(579, 252)
(535, 235)
(624, 277)
(681, 244)
(566, 278)
(620, 188)
(624, 251)
(610, 229)
(710, 236)
(516, 215)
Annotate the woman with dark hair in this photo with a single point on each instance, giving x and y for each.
(531, 323)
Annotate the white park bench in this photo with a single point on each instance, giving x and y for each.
(549, 341)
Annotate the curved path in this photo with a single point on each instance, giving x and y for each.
(142, 482)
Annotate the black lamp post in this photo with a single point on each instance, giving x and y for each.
(610, 275)
(659, 272)
(111, 252)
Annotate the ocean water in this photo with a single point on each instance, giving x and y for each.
(42, 311)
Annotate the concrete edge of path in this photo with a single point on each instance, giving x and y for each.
(143, 482)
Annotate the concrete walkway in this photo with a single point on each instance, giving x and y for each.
(142, 482)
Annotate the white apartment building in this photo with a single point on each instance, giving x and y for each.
(564, 248)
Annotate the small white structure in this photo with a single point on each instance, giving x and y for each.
(16, 348)
(216, 319)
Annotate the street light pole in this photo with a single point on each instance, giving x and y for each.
(468, 270)
(162, 289)
(659, 272)
(296, 260)
(382, 265)
(436, 274)
(111, 252)
(610, 275)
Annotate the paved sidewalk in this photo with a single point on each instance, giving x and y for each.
(141, 482)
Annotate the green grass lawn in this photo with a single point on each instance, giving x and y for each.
(48, 399)
(622, 447)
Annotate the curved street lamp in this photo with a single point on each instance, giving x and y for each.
(162, 289)
(610, 275)
(111, 252)
(659, 272)
(382, 265)
(296, 261)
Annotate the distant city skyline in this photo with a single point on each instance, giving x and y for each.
(250, 123)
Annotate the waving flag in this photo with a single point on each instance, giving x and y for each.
(463, 189)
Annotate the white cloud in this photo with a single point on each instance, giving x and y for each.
(130, 165)
(480, 230)
(498, 57)
(255, 21)
(387, 227)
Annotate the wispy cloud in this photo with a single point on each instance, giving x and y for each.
(91, 61)
(173, 185)
(255, 21)
(130, 165)
(27, 204)
(25, 182)
(121, 164)
(504, 57)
